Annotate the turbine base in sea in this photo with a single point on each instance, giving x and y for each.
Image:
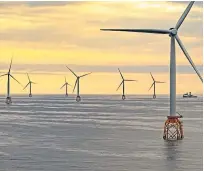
(8, 100)
(78, 98)
(173, 128)
(172, 119)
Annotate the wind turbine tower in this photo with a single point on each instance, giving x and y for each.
(123, 83)
(8, 98)
(78, 98)
(65, 84)
(154, 84)
(173, 128)
(29, 83)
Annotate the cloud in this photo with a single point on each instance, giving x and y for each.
(61, 68)
(70, 25)
(197, 3)
(79, 24)
(35, 3)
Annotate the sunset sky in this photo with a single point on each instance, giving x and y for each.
(44, 37)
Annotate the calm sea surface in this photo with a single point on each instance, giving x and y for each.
(102, 133)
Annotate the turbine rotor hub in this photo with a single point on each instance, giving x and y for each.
(173, 32)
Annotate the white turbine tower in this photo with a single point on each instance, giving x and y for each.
(78, 98)
(173, 33)
(65, 84)
(29, 83)
(154, 84)
(123, 83)
(8, 98)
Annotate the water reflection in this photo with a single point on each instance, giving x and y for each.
(172, 154)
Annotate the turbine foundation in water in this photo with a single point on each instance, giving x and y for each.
(78, 98)
(173, 128)
(8, 100)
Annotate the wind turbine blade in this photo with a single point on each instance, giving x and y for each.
(75, 84)
(72, 71)
(130, 80)
(10, 64)
(151, 86)
(65, 79)
(28, 77)
(188, 57)
(16, 80)
(69, 84)
(33, 82)
(159, 82)
(185, 13)
(26, 86)
(85, 74)
(63, 86)
(3, 75)
(119, 86)
(155, 31)
(152, 76)
(121, 74)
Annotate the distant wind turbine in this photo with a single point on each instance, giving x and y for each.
(8, 98)
(78, 98)
(173, 34)
(123, 83)
(29, 83)
(65, 84)
(154, 84)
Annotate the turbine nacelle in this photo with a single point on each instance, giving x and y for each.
(173, 32)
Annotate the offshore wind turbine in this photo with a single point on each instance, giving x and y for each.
(154, 84)
(78, 98)
(65, 84)
(8, 98)
(123, 83)
(29, 83)
(172, 120)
